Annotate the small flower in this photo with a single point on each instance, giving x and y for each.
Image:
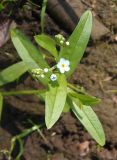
(63, 65)
(53, 77)
(61, 42)
(46, 70)
(42, 75)
(36, 71)
(60, 37)
(67, 43)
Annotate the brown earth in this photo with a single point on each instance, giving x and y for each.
(97, 73)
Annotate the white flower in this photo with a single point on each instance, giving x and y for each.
(46, 70)
(67, 43)
(53, 77)
(63, 65)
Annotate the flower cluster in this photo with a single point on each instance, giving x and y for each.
(63, 66)
(38, 72)
(61, 39)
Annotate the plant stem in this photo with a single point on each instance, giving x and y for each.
(75, 88)
(44, 4)
(23, 92)
(34, 4)
(20, 137)
(53, 68)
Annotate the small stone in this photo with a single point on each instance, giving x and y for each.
(116, 38)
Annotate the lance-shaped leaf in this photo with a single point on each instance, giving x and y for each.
(89, 119)
(12, 73)
(1, 104)
(78, 41)
(85, 99)
(55, 101)
(28, 52)
(47, 43)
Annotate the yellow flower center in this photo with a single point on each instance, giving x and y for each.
(63, 65)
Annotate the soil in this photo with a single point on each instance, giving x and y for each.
(97, 73)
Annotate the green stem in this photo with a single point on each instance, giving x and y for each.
(39, 131)
(75, 88)
(34, 4)
(44, 4)
(53, 68)
(22, 135)
(23, 92)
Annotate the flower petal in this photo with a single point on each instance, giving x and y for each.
(59, 65)
(62, 70)
(62, 60)
(67, 68)
(67, 62)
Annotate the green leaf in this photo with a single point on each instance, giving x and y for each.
(55, 101)
(12, 73)
(28, 52)
(66, 107)
(89, 119)
(47, 43)
(85, 99)
(78, 41)
(1, 105)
